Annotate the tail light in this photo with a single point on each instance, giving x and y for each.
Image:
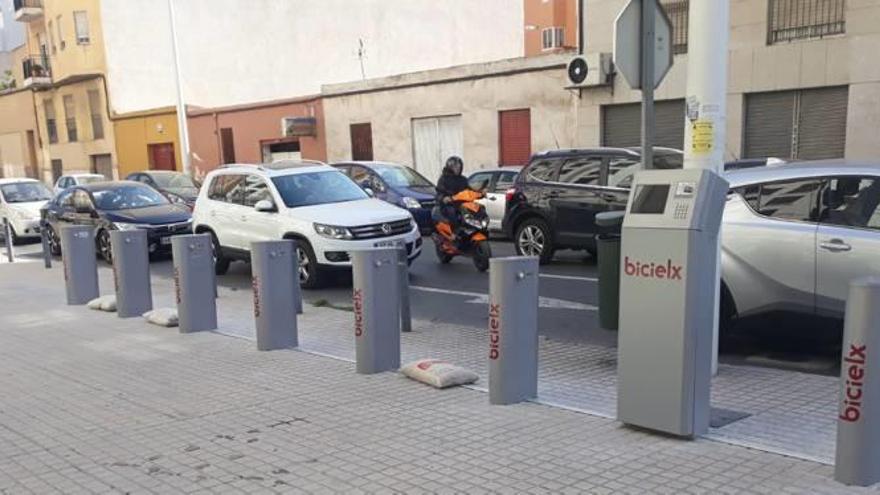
(508, 195)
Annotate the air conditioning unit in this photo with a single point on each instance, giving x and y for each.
(589, 70)
(299, 126)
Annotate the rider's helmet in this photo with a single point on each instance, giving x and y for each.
(454, 165)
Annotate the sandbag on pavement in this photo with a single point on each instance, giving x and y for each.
(164, 317)
(103, 303)
(438, 373)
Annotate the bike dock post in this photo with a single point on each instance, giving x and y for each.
(44, 241)
(194, 282)
(403, 273)
(297, 290)
(7, 237)
(131, 272)
(376, 299)
(80, 264)
(274, 294)
(513, 329)
(857, 459)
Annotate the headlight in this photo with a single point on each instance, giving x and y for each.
(410, 203)
(473, 222)
(333, 232)
(126, 226)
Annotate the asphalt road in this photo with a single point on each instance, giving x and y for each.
(456, 293)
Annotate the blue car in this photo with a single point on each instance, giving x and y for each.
(397, 184)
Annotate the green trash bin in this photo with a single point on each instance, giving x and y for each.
(608, 250)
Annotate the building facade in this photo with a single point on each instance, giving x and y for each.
(550, 26)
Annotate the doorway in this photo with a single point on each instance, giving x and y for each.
(103, 164)
(162, 156)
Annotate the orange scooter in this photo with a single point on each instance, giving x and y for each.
(470, 236)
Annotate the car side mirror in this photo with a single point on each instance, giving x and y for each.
(370, 192)
(266, 206)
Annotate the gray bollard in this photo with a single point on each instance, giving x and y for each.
(131, 272)
(80, 263)
(375, 296)
(274, 293)
(513, 329)
(7, 239)
(403, 273)
(857, 460)
(297, 290)
(194, 282)
(47, 252)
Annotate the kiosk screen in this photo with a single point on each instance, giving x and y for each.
(650, 199)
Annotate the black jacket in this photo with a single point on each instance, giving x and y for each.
(450, 185)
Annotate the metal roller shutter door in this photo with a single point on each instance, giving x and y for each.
(822, 123)
(622, 124)
(769, 124)
(515, 137)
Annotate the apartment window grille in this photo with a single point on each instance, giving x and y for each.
(789, 20)
(677, 11)
(97, 116)
(552, 37)
(70, 118)
(81, 23)
(51, 126)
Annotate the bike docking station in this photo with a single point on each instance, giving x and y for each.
(131, 272)
(403, 281)
(79, 263)
(669, 276)
(513, 329)
(276, 298)
(194, 282)
(376, 302)
(857, 457)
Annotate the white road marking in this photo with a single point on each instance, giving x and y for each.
(569, 277)
(477, 298)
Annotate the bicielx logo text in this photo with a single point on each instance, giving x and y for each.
(663, 270)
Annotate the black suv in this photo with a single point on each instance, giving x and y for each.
(554, 201)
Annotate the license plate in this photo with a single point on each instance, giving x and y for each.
(165, 241)
(396, 244)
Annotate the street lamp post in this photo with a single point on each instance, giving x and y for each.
(181, 105)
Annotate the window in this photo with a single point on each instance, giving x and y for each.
(542, 170)
(81, 200)
(57, 168)
(477, 180)
(227, 145)
(51, 126)
(97, 117)
(70, 118)
(622, 169)
(505, 181)
(360, 175)
(789, 20)
(581, 171)
(61, 42)
(677, 11)
(786, 200)
(227, 188)
(81, 24)
(361, 142)
(128, 197)
(255, 190)
(851, 202)
(316, 188)
(65, 199)
(52, 37)
(552, 37)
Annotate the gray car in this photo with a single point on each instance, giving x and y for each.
(795, 235)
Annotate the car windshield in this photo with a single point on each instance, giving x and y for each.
(173, 181)
(127, 197)
(316, 188)
(402, 177)
(25, 192)
(89, 179)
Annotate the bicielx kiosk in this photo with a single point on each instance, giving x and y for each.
(668, 281)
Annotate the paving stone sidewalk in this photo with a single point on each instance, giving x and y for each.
(95, 404)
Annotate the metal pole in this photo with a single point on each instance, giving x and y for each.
(80, 264)
(403, 274)
(181, 106)
(7, 237)
(274, 304)
(647, 81)
(376, 310)
(47, 252)
(193, 281)
(131, 272)
(705, 124)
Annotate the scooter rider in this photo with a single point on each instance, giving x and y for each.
(451, 183)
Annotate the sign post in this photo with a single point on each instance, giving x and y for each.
(643, 55)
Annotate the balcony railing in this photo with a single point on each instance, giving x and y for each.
(27, 10)
(36, 71)
(677, 10)
(789, 20)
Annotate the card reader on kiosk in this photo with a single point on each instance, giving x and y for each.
(667, 294)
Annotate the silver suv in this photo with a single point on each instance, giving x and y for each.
(795, 235)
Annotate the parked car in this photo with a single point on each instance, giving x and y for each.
(71, 180)
(317, 205)
(795, 235)
(397, 184)
(554, 201)
(20, 203)
(498, 181)
(753, 162)
(120, 205)
(176, 186)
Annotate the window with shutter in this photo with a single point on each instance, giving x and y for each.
(622, 124)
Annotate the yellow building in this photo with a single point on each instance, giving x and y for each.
(147, 140)
(19, 134)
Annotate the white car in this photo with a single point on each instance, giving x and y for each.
(497, 181)
(20, 203)
(71, 180)
(316, 205)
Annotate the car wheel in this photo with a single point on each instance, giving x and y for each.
(307, 266)
(221, 263)
(54, 241)
(104, 249)
(533, 238)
